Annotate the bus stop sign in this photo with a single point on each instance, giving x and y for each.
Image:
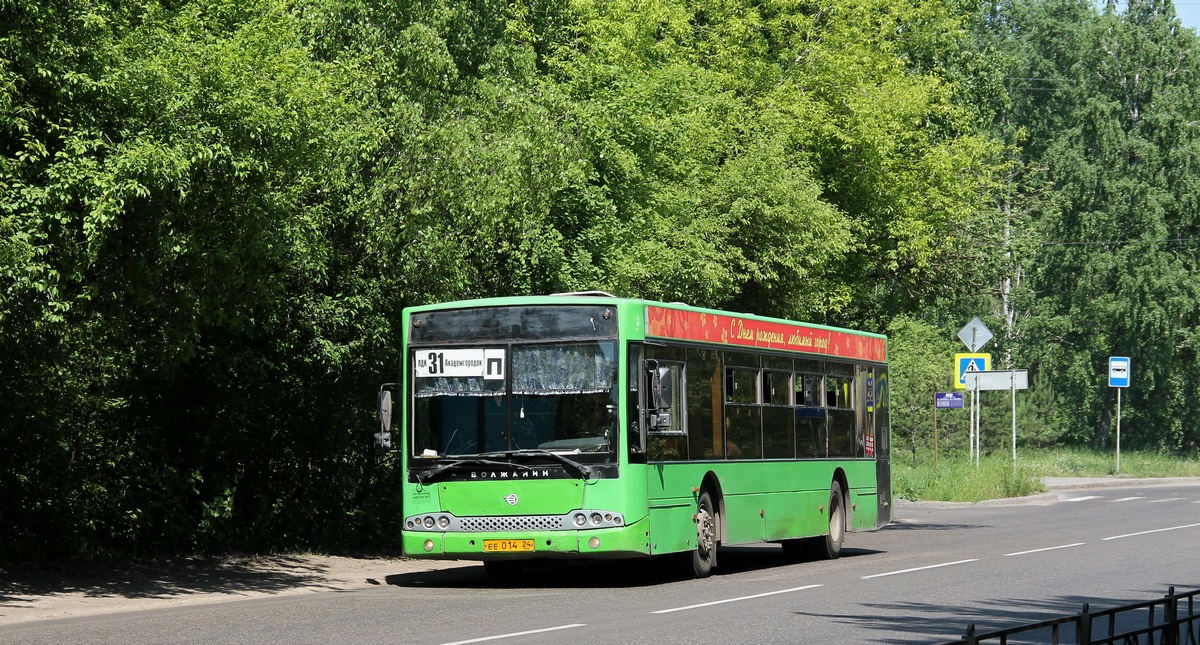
(1118, 371)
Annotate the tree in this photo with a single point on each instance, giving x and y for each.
(1114, 274)
(920, 367)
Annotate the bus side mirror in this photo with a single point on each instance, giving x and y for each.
(654, 380)
(383, 438)
(662, 392)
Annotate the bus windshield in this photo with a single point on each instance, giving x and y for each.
(552, 397)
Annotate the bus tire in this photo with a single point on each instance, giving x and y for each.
(702, 559)
(829, 547)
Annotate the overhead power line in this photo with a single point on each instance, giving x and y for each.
(1175, 240)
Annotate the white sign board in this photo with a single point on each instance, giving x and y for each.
(440, 363)
(975, 334)
(998, 380)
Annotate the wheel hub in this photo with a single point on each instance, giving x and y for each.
(706, 534)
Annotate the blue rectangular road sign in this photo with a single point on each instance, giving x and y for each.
(948, 400)
(1118, 371)
(964, 363)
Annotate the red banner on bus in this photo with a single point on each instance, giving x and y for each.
(663, 322)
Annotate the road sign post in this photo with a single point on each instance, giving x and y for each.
(1003, 380)
(963, 365)
(943, 401)
(1118, 377)
(974, 335)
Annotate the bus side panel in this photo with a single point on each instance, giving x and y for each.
(864, 505)
(760, 501)
(775, 500)
(672, 505)
(672, 528)
(786, 515)
(862, 497)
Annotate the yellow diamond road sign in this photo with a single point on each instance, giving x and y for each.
(964, 363)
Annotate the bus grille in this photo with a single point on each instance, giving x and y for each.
(517, 523)
(573, 521)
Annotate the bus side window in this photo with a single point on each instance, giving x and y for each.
(842, 422)
(706, 434)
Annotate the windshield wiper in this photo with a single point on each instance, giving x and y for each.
(584, 471)
(430, 475)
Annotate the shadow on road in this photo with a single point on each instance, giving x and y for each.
(157, 579)
(926, 526)
(643, 572)
(922, 619)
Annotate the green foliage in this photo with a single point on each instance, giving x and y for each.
(188, 213)
(212, 213)
(919, 369)
(1113, 275)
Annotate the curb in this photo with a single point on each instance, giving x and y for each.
(1054, 485)
(1077, 483)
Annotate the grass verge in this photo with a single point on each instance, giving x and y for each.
(958, 481)
(954, 480)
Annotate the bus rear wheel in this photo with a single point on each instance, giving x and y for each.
(829, 546)
(700, 562)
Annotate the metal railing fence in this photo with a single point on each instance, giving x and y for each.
(1171, 620)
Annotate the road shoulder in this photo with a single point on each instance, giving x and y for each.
(65, 590)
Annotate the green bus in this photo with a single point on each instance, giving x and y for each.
(584, 425)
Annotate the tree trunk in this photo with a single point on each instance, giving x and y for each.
(1100, 441)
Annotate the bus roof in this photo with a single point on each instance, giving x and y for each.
(679, 321)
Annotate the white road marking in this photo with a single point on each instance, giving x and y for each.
(1170, 528)
(1168, 499)
(1049, 548)
(1125, 499)
(1082, 499)
(721, 602)
(515, 634)
(932, 566)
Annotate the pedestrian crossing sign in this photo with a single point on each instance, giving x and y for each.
(964, 363)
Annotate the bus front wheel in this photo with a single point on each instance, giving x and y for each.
(704, 557)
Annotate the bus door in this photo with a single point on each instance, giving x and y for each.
(883, 444)
(864, 411)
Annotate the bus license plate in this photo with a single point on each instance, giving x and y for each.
(507, 546)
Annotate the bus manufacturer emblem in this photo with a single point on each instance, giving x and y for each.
(511, 498)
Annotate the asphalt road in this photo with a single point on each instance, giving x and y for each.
(923, 579)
